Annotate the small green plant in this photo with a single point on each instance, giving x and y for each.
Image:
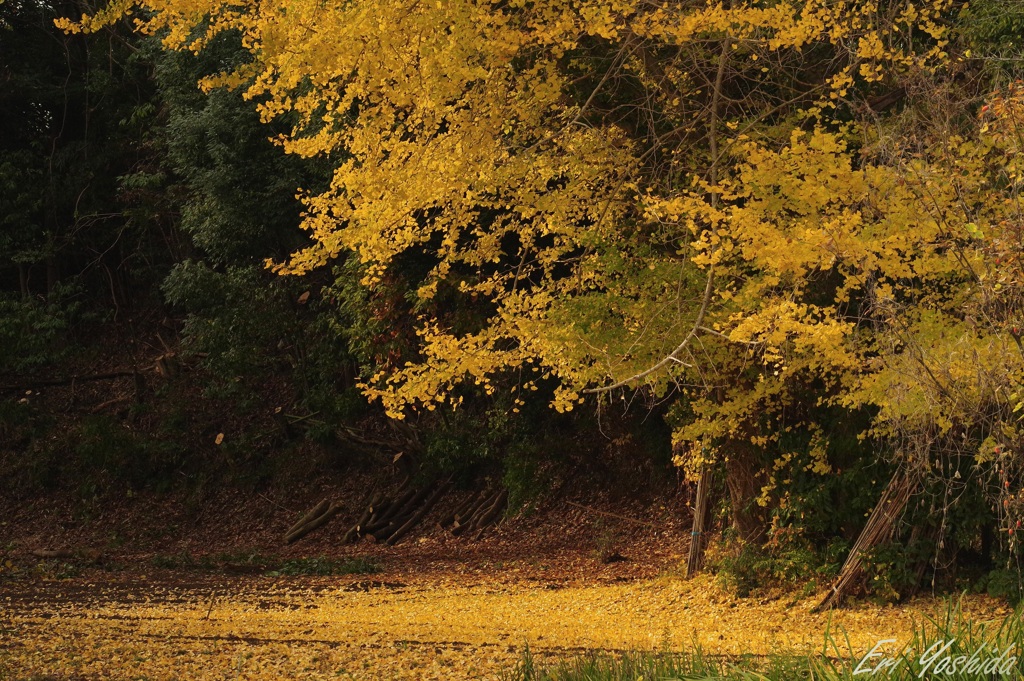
(7, 568)
(322, 566)
(57, 569)
(891, 569)
(601, 666)
(1005, 584)
(522, 478)
(745, 568)
(32, 330)
(274, 567)
(607, 536)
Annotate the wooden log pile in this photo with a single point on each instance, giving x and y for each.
(315, 518)
(389, 520)
(477, 513)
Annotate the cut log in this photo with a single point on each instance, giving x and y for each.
(418, 515)
(475, 512)
(491, 514)
(355, 531)
(401, 516)
(394, 509)
(314, 524)
(413, 498)
(309, 515)
(167, 365)
(382, 532)
(461, 509)
(378, 510)
(484, 508)
(404, 493)
(492, 511)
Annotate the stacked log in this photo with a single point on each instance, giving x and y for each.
(417, 516)
(371, 512)
(475, 515)
(461, 511)
(390, 519)
(313, 519)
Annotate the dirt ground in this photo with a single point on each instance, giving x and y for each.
(154, 590)
(574, 578)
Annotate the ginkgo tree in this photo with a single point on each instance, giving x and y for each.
(702, 198)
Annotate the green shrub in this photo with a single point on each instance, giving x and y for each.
(523, 478)
(327, 566)
(33, 330)
(745, 568)
(1005, 584)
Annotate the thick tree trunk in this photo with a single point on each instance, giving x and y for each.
(743, 478)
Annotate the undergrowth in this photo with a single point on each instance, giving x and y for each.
(327, 566)
(949, 646)
(269, 565)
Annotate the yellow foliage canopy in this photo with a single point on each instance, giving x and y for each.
(648, 194)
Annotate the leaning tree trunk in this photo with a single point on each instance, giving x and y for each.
(879, 529)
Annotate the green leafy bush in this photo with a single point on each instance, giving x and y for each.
(33, 330)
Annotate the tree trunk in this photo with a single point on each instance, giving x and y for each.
(743, 478)
(23, 280)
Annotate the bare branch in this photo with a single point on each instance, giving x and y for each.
(709, 287)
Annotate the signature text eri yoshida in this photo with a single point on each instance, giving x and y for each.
(986, 659)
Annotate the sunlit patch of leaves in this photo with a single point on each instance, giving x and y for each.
(837, 660)
(430, 627)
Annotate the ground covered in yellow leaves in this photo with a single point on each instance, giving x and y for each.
(396, 625)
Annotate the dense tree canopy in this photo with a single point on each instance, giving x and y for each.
(798, 220)
(543, 155)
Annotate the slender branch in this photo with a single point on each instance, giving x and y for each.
(709, 287)
(611, 515)
(731, 340)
